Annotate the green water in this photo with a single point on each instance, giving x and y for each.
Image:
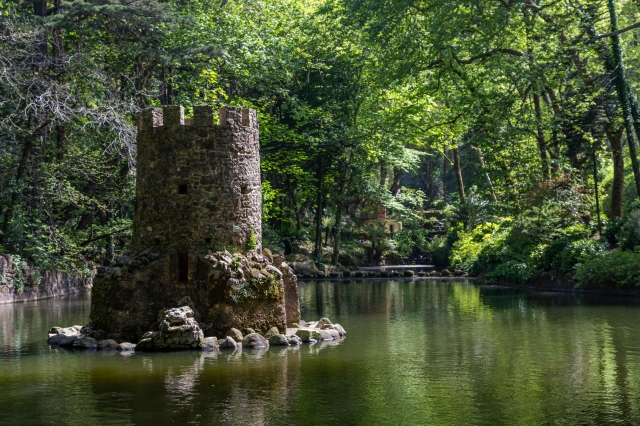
(421, 352)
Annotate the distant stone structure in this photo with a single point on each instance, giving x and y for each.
(197, 231)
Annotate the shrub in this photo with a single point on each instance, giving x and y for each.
(563, 254)
(466, 250)
(629, 233)
(512, 272)
(615, 269)
(440, 251)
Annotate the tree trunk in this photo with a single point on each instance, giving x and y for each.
(337, 226)
(383, 175)
(444, 174)
(622, 87)
(617, 186)
(595, 185)
(319, 201)
(486, 174)
(456, 165)
(542, 144)
(397, 176)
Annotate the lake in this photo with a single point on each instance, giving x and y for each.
(417, 352)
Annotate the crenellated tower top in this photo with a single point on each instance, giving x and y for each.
(198, 183)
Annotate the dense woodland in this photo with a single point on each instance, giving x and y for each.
(502, 133)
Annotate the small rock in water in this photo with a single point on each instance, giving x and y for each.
(307, 335)
(178, 330)
(126, 347)
(254, 340)
(88, 331)
(59, 339)
(294, 340)
(278, 340)
(69, 331)
(339, 329)
(326, 335)
(148, 334)
(145, 345)
(228, 342)
(107, 344)
(235, 334)
(210, 344)
(324, 323)
(272, 332)
(85, 343)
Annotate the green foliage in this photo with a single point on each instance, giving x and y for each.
(252, 240)
(511, 272)
(411, 240)
(467, 249)
(615, 269)
(439, 249)
(564, 254)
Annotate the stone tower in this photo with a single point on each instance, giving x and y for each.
(197, 231)
(198, 183)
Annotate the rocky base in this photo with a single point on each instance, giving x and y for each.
(224, 290)
(180, 331)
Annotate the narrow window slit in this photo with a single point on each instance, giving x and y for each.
(183, 267)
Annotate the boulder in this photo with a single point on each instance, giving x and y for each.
(107, 344)
(278, 340)
(126, 347)
(99, 335)
(272, 332)
(327, 334)
(228, 342)
(408, 273)
(68, 331)
(87, 331)
(210, 344)
(235, 334)
(148, 334)
(254, 340)
(145, 345)
(59, 339)
(248, 330)
(294, 340)
(445, 273)
(324, 323)
(346, 273)
(178, 330)
(302, 264)
(306, 335)
(339, 329)
(84, 343)
(330, 334)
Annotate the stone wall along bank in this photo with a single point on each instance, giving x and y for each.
(21, 283)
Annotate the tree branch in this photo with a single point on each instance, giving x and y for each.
(615, 33)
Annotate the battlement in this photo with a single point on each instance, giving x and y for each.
(172, 116)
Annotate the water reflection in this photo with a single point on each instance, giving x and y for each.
(417, 352)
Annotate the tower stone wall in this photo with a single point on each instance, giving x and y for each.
(198, 207)
(198, 183)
